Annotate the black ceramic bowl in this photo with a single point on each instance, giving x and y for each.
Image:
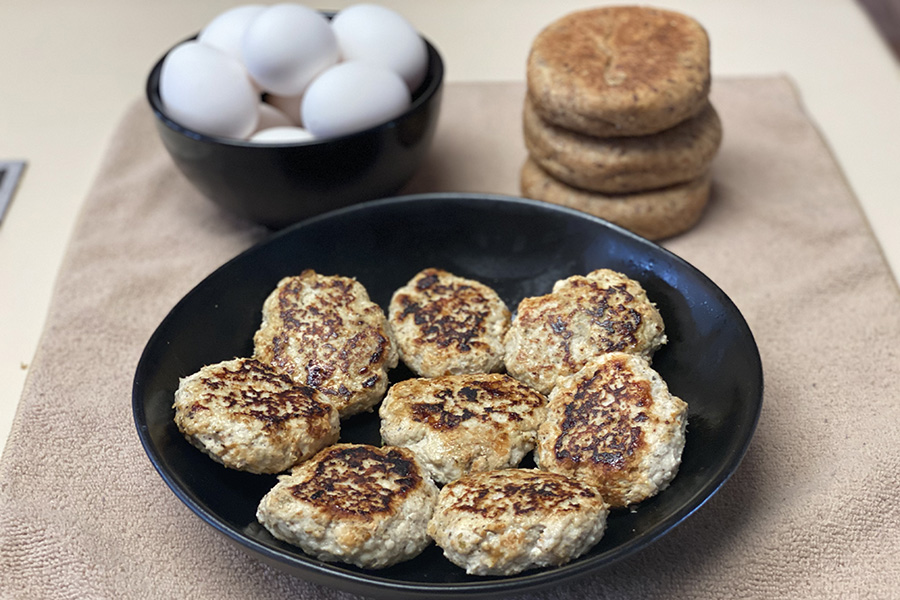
(518, 247)
(280, 184)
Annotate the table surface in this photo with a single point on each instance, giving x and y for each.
(68, 70)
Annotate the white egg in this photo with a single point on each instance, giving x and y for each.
(377, 34)
(270, 116)
(205, 90)
(286, 46)
(281, 135)
(226, 31)
(289, 105)
(352, 96)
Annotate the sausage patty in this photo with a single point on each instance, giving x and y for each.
(615, 426)
(458, 424)
(249, 417)
(554, 335)
(504, 522)
(324, 332)
(446, 325)
(354, 503)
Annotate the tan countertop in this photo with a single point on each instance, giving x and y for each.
(68, 70)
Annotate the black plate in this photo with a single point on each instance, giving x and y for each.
(518, 247)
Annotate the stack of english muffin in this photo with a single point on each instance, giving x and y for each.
(617, 118)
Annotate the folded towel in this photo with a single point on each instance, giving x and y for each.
(812, 512)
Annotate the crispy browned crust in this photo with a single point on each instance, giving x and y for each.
(451, 314)
(256, 392)
(624, 164)
(654, 214)
(447, 324)
(357, 481)
(600, 425)
(324, 332)
(443, 404)
(248, 416)
(516, 492)
(553, 336)
(623, 70)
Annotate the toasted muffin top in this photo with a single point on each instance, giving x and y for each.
(357, 481)
(445, 324)
(620, 70)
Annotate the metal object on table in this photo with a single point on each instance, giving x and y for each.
(10, 173)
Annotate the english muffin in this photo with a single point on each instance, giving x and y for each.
(445, 324)
(249, 417)
(653, 214)
(505, 522)
(555, 335)
(616, 427)
(619, 71)
(625, 164)
(325, 332)
(460, 424)
(353, 503)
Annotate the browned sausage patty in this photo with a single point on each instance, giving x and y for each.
(615, 426)
(504, 522)
(553, 336)
(353, 503)
(324, 332)
(250, 417)
(447, 325)
(458, 424)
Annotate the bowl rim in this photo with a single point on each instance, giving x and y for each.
(424, 94)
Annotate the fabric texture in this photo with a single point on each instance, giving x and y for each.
(812, 512)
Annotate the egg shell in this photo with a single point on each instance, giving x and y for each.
(281, 135)
(226, 31)
(353, 96)
(208, 91)
(377, 34)
(286, 46)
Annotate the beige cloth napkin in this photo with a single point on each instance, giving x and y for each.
(811, 513)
